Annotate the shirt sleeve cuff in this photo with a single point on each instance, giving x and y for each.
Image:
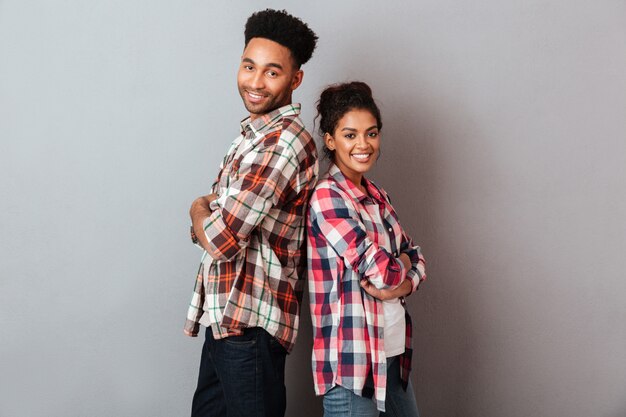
(417, 273)
(402, 270)
(194, 238)
(381, 268)
(222, 241)
(415, 280)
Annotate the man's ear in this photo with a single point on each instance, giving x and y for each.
(297, 79)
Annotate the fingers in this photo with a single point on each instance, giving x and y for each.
(373, 291)
(208, 198)
(387, 294)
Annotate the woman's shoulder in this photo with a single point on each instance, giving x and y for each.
(327, 182)
(329, 193)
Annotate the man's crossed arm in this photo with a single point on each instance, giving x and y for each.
(198, 212)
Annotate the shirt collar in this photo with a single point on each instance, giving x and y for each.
(266, 121)
(356, 194)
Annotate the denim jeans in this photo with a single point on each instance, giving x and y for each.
(341, 402)
(241, 376)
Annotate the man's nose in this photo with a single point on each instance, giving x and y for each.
(257, 81)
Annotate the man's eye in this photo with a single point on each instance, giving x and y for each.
(248, 67)
(272, 74)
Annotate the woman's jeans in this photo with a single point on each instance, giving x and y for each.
(341, 402)
(241, 376)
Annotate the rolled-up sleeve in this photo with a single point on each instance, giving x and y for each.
(417, 273)
(263, 179)
(333, 216)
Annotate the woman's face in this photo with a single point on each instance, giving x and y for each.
(356, 143)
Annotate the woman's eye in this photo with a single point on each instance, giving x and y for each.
(350, 136)
(373, 134)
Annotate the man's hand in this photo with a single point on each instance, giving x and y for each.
(198, 212)
(401, 290)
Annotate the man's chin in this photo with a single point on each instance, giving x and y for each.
(255, 108)
(256, 111)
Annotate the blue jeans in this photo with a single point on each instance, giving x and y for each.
(241, 376)
(341, 402)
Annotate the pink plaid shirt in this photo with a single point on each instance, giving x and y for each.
(343, 249)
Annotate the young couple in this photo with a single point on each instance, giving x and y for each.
(265, 214)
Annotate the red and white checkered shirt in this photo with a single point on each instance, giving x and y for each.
(343, 249)
(257, 231)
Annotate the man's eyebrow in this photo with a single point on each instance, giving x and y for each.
(271, 64)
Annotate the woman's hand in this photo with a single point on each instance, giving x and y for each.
(406, 261)
(401, 290)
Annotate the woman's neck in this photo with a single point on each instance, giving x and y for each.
(357, 180)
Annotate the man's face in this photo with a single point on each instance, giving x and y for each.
(267, 76)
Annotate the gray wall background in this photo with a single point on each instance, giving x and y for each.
(504, 152)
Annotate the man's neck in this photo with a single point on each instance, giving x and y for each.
(254, 116)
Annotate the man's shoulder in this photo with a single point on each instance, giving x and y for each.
(291, 129)
(289, 136)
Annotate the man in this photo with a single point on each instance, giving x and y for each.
(252, 228)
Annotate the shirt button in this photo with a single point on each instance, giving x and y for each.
(391, 229)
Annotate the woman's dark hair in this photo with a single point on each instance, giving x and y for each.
(337, 100)
(285, 29)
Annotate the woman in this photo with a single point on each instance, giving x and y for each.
(361, 265)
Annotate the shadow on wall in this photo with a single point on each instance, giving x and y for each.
(301, 399)
(415, 170)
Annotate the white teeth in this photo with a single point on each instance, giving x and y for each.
(360, 155)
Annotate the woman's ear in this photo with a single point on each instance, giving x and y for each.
(329, 141)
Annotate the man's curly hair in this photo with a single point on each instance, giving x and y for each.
(285, 29)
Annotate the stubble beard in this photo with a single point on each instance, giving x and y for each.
(271, 102)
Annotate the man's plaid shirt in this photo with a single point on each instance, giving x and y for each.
(257, 231)
(343, 249)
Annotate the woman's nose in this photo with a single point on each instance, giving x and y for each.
(361, 141)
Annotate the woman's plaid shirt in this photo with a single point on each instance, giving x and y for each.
(342, 250)
(257, 231)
